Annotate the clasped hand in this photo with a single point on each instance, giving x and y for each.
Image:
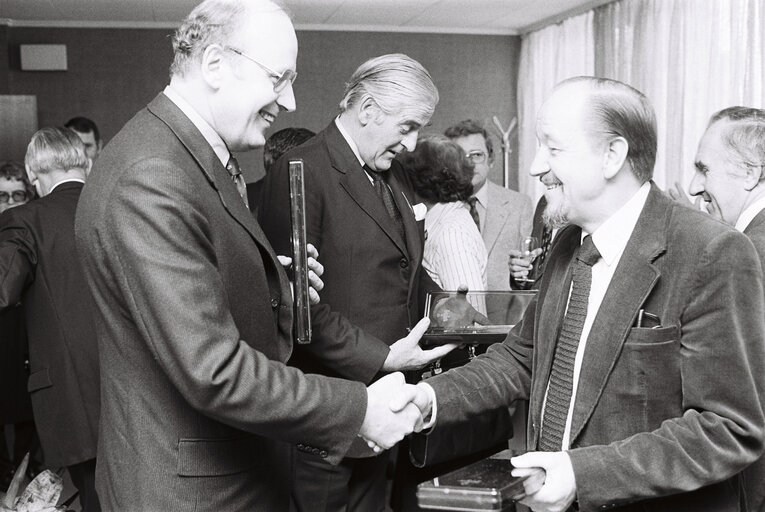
(550, 490)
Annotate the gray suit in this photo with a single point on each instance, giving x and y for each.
(194, 324)
(664, 417)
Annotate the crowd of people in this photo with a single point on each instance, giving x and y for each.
(147, 311)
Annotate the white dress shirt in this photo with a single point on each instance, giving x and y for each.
(207, 131)
(749, 213)
(482, 203)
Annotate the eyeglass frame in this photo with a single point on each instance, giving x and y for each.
(5, 197)
(281, 78)
(477, 152)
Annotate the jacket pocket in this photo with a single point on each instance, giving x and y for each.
(649, 336)
(39, 380)
(217, 457)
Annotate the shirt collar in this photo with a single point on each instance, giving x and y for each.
(612, 236)
(207, 131)
(349, 140)
(68, 180)
(482, 194)
(749, 213)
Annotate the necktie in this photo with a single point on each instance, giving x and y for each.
(236, 176)
(539, 264)
(474, 212)
(562, 375)
(385, 194)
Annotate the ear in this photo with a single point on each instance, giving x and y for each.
(615, 156)
(752, 177)
(368, 110)
(212, 64)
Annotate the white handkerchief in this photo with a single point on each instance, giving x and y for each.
(419, 211)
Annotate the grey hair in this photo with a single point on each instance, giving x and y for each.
(397, 83)
(743, 135)
(212, 22)
(622, 111)
(54, 149)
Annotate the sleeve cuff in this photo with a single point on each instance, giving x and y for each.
(434, 405)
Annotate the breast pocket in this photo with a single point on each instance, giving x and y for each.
(652, 336)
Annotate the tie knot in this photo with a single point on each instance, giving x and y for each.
(472, 200)
(588, 253)
(376, 175)
(233, 167)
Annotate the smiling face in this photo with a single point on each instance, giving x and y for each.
(384, 136)
(10, 186)
(716, 179)
(244, 104)
(568, 161)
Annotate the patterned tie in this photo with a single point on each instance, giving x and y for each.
(562, 375)
(539, 264)
(236, 176)
(385, 194)
(474, 212)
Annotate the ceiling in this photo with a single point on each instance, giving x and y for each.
(443, 16)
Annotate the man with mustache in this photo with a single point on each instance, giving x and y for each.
(194, 312)
(360, 217)
(642, 354)
(730, 169)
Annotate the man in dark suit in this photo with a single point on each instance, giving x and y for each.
(194, 311)
(360, 217)
(642, 355)
(730, 169)
(40, 269)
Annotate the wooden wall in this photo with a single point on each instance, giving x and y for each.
(112, 73)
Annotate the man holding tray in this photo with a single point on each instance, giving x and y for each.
(642, 352)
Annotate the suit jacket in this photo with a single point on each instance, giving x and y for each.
(372, 277)
(664, 417)
(194, 324)
(754, 475)
(39, 268)
(15, 405)
(508, 220)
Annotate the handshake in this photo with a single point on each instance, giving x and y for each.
(394, 409)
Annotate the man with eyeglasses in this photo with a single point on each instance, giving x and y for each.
(503, 216)
(194, 311)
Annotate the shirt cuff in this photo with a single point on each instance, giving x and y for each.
(434, 405)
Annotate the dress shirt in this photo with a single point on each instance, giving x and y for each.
(68, 180)
(610, 238)
(482, 203)
(354, 147)
(749, 213)
(207, 131)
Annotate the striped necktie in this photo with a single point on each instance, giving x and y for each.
(561, 382)
(236, 176)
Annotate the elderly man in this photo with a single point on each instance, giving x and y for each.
(194, 311)
(40, 269)
(640, 354)
(360, 217)
(730, 169)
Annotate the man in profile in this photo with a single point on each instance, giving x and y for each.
(642, 354)
(87, 131)
(730, 169)
(194, 311)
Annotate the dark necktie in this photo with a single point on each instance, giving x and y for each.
(385, 194)
(539, 264)
(562, 375)
(474, 212)
(236, 176)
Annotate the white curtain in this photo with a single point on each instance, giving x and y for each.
(548, 56)
(690, 57)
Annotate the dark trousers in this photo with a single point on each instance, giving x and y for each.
(354, 485)
(84, 479)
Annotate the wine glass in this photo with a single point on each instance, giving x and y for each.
(527, 247)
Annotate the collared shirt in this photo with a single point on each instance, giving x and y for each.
(749, 213)
(454, 252)
(482, 203)
(207, 131)
(68, 180)
(610, 239)
(353, 146)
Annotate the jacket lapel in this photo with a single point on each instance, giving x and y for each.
(412, 231)
(215, 173)
(496, 217)
(758, 220)
(635, 277)
(357, 184)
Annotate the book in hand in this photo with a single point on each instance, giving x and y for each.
(483, 485)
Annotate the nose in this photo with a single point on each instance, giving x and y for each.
(286, 99)
(539, 165)
(697, 184)
(410, 140)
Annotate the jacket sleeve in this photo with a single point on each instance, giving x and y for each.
(18, 259)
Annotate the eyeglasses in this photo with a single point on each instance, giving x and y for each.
(281, 79)
(17, 195)
(477, 157)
